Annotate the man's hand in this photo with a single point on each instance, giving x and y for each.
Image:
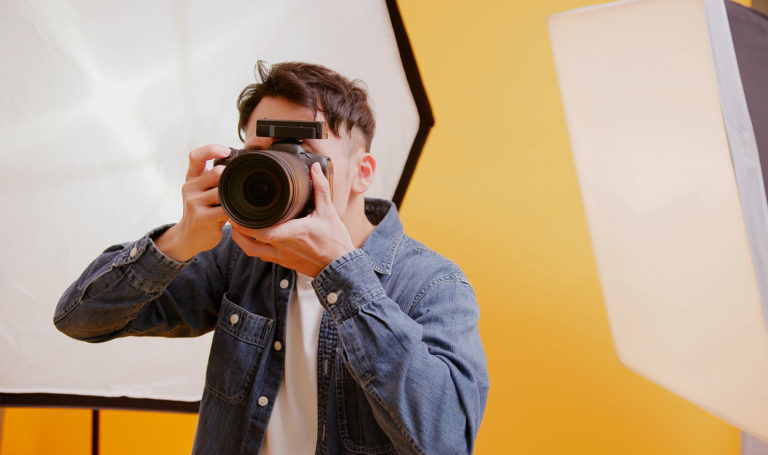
(306, 245)
(203, 218)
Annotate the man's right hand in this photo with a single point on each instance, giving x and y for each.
(203, 219)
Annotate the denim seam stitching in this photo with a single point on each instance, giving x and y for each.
(256, 340)
(71, 307)
(390, 255)
(425, 290)
(345, 437)
(336, 265)
(143, 285)
(403, 431)
(234, 256)
(243, 392)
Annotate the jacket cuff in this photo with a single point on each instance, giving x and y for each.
(148, 267)
(346, 284)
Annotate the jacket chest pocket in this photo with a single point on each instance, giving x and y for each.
(359, 431)
(236, 350)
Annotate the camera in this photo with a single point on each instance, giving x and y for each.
(261, 188)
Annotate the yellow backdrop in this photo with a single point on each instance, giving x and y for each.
(496, 191)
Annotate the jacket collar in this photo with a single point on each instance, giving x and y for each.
(381, 245)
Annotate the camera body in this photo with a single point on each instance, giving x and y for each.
(261, 188)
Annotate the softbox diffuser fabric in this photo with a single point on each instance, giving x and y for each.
(100, 102)
(668, 167)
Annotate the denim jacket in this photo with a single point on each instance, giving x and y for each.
(400, 368)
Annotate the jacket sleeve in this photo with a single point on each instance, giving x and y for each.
(134, 289)
(423, 369)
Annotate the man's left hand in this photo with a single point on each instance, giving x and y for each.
(306, 245)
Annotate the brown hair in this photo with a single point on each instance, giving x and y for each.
(343, 102)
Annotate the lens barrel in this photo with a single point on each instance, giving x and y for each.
(262, 188)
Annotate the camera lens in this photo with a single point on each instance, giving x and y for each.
(262, 188)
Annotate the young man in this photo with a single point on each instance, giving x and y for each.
(334, 333)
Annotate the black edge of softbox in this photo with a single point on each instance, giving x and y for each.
(56, 400)
(426, 121)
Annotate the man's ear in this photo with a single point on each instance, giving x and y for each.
(366, 167)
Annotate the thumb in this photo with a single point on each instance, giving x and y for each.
(322, 188)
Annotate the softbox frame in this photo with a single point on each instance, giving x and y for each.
(100, 104)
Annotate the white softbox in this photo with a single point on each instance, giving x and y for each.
(100, 102)
(667, 112)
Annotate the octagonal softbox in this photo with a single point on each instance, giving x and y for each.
(662, 119)
(100, 104)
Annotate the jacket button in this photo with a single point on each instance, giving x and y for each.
(263, 401)
(284, 284)
(332, 298)
(234, 319)
(278, 345)
(134, 251)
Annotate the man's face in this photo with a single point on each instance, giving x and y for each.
(339, 149)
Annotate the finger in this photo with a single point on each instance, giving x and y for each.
(322, 188)
(216, 214)
(209, 179)
(261, 235)
(199, 156)
(253, 247)
(287, 231)
(205, 206)
(210, 198)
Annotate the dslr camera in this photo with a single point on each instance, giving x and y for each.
(261, 188)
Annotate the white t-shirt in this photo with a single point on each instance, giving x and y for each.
(292, 427)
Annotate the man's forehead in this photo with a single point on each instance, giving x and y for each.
(281, 109)
(271, 108)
